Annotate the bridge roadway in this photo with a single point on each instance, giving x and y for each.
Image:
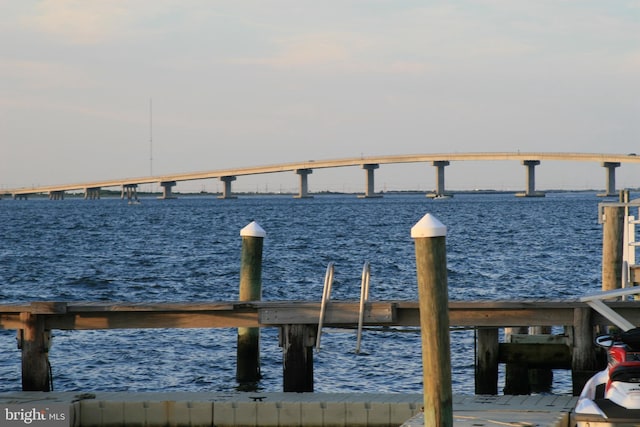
(369, 164)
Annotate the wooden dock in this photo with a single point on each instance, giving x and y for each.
(298, 321)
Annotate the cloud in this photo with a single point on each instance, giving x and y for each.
(306, 50)
(39, 74)
(78, 21)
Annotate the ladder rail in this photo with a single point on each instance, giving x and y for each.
(326, 296)
(364, 298)
(629, 244)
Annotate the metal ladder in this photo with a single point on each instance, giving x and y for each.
(629, 244)
(326, 296)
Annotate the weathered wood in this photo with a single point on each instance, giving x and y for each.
(431, 269)
(541, 379)
(584, 363)
(340, 313)
(516, 372)
(634, 274)
(34, 345)
(248, 350)
(541, 339)
(150, 320)
(486, 381)
(83, 315)
(297, 357)
(612, 247)
(530, 356)
(336, 313)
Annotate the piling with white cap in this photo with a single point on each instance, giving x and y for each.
(429, 235)
(248, 350)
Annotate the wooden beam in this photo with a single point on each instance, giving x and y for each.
(274, 313)
(554, 356)
(336, 314)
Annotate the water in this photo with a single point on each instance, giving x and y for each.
(498, 247)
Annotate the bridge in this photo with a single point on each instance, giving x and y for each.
(369, 164)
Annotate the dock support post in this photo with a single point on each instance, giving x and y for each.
(540, 379)
(429, 235)
(531, 180)
(440, 188)
(35, 361)
(516, 374)
(248, 350)
(584, 361)
(487, 361)
(166, 190)
(370, 186)
(297, 351)
(610, 189)
(612, 247)
(226, 191)
(304, 187)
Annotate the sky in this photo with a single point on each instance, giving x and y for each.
(107, 89)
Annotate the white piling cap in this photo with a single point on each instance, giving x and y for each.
(253, 230)
(428, 226)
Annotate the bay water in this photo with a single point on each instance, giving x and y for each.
(185, 250)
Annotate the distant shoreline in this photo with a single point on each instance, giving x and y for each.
(142, 194)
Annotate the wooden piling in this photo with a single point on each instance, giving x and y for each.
(35, 361)
(487, 361)
(248, 350)
(540, 379)
(612, 247)
(297, 366)
(516, 380)
(584, 363)
(429, 235)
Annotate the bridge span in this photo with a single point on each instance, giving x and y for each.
(369, 164)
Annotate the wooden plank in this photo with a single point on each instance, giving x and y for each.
(86, 315)
(540, 339)
(134, 320)
(541, 316)
(168, 307)
(336, 314)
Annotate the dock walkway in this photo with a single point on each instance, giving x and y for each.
(101, 409)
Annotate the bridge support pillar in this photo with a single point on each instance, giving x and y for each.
(304, 186)
(92, 193)
(56, 195)
(610, 189)
(226, 191)
(131, 191)
(166, 190)
(531, 180)
(370, 187)
(440, 192)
